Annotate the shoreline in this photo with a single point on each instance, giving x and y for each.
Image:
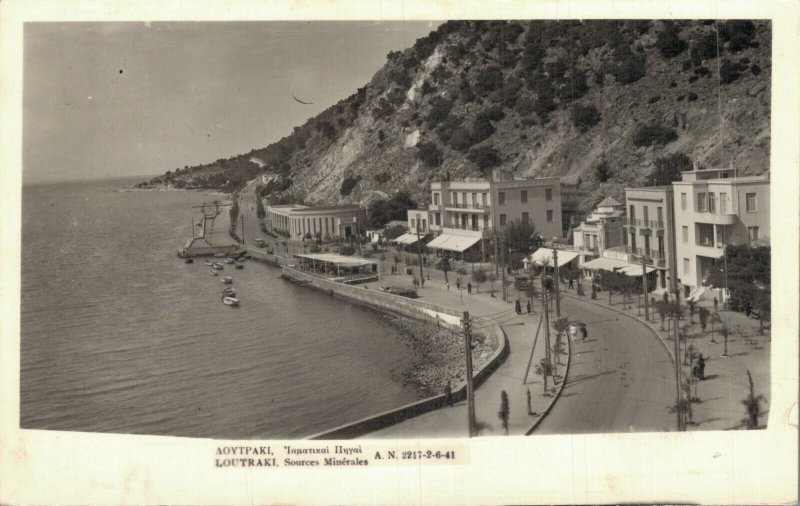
(438, 354)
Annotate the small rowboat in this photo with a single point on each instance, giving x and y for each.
(209, 263)
(214, 273)
(217, 266)
(229, 260)
(230, 301)
(240, 266)
(189, 261)
(227, 280)
(229, 292)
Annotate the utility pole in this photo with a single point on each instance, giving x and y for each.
(677, 359)
(496, 257)
(470, 392)
(242, 229)
(558, 301)
(503, 272)
(545, 304)
(419, 253)
(644, 289)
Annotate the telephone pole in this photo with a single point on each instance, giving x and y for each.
(644, 289)
(419, 253)
(545, 304)
(558, 301)
(242, 229)
(677, 359)
(470, 392)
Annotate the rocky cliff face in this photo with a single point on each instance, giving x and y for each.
(542, 98)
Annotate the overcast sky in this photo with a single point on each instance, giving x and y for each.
(119, 99)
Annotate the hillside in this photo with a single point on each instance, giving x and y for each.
(540, 97)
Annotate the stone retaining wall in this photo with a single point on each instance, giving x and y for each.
(392, 417)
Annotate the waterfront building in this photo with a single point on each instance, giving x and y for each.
(714, 208)
(649, 231)
(601, 230)
(375, 235)
(466, 215)
(296, 221)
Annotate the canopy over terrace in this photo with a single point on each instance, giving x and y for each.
(331, 265)
(615, 265)
(544, 256)
(407, 239)
(458, 243)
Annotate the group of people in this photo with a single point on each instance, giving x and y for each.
(518, 307)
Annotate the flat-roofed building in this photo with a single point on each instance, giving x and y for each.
(297, 221)
(601, 230)
(466, 214)
(714, 208)
(649, 230)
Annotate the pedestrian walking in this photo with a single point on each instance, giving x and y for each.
(573, 331)
(458, 283)
(529, 307)
(571, 284)
(517, 307)
(429, 276)
(422, 282)
(716, 303)
(448, 392)
(469, 288)
(448, 286)
(584, 334)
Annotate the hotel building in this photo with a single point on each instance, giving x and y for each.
(600, 231)
(325, 222)
(467, 214)
(713, 208)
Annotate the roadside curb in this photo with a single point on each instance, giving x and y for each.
(637, 318)
(557, 394)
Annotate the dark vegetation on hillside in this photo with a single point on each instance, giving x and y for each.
(499, 88)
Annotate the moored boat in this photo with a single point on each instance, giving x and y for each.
(209, 263)
(217, 266)
(229, 292)
(229, 260)
(240, 266)
(214, 273)
(227, 280)
(189, 260)
(230, 301)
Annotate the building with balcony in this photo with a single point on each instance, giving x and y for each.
(467, 214)
(648, 231)
(714, 208)
(296, 221)
(601, 230)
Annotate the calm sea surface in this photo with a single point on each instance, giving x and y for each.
(120, 335)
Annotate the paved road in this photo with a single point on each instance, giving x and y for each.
(621, 379)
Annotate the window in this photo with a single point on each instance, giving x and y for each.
(501, 198)
(454, 198)
(437, 218)
(523, 196)
(701, 202)
(646, 214)
(502, 220)
(474, 199)
(712, 203)
(632, 214)
(436, 199)
(485, 221)
(685, 234)
(723, 203)
(526, 217)
(483, 199)
(704, 234)
(683, 201)
(413, 224)
(659, 217)
(750, 199)
(753, 231)
(424, 225)
(549, 216)
(548, 194)
(686, 266)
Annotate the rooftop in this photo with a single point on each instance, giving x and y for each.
(608, 202)
(333, 258)
(342, 207)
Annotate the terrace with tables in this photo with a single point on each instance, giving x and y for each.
(339, 268)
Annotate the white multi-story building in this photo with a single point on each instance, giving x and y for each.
(714, 208)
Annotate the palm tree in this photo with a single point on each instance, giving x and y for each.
(715, 318)
(560, 325)
(752, 404)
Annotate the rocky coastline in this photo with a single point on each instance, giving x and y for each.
(438, 355)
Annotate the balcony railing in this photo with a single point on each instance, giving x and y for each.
(571, 247)
(644, 223)
(467, 227)
(653, 257)
(474, 207)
